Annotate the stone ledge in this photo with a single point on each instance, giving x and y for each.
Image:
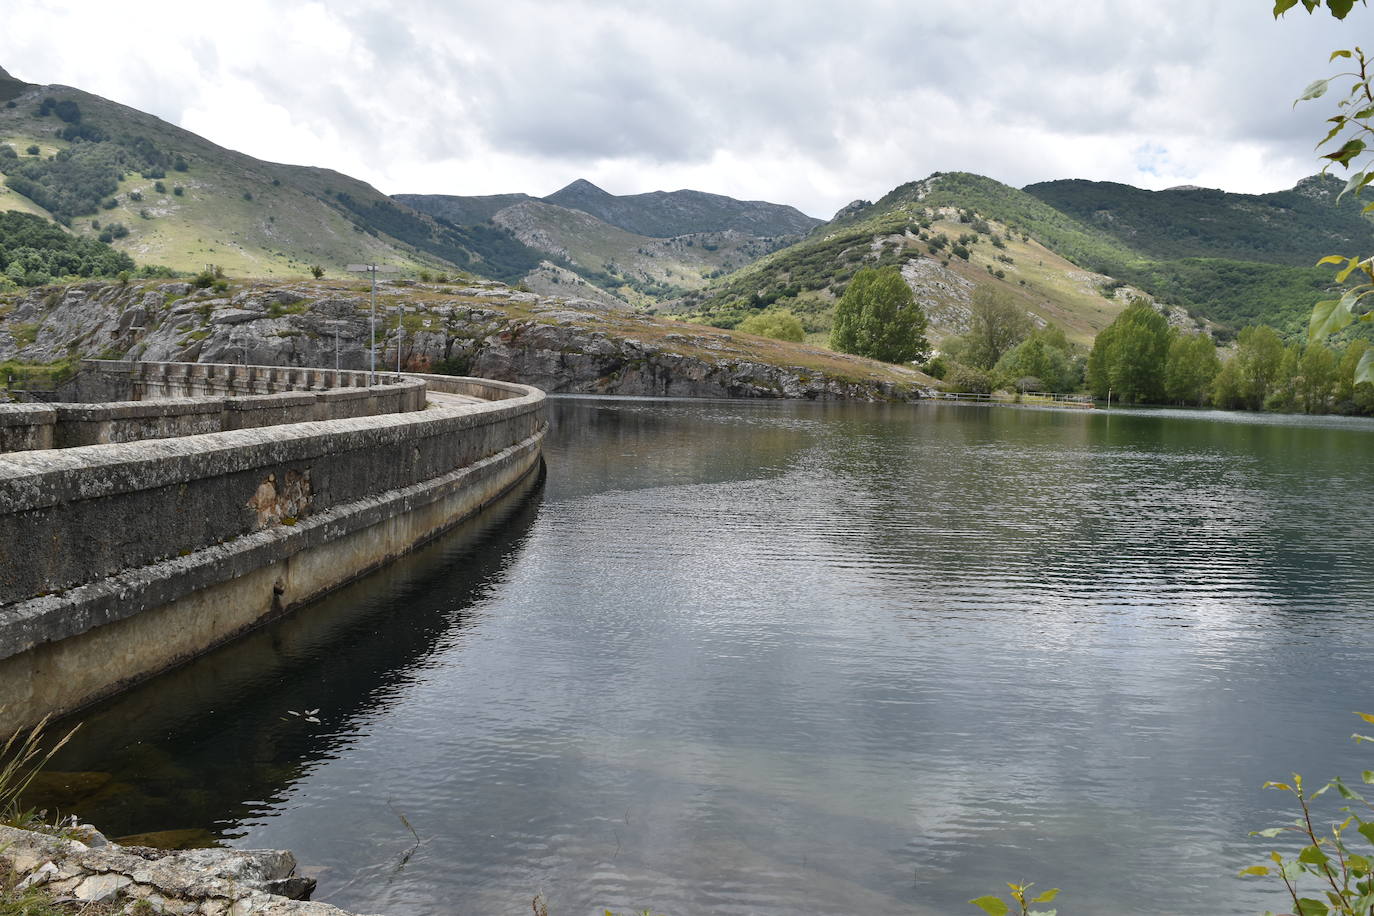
(199, 882)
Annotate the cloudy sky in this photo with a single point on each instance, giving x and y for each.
(803, 102)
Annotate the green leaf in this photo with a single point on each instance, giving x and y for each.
(993, 906)
(1311, 855)
(1368, 776)
(1364, 372)
(1330, 316)
(1367, 831)
(1349, 150)
(1283, 6)
(1334, 259)
(1254, 870)
(1283, 785)
(1366, 716)
(1307, 906)
(1314, 91)
(1350, 265)
(1346, 791)
(1356, 184)
(1336, 54)
(1048, 896)
(1340, 8)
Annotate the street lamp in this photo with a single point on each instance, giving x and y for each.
(373, 269)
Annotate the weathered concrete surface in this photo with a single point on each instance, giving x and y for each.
(123, 560)
(195, 399)
(203, 882)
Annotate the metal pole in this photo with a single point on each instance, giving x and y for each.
(400, 329)
(373, 270)
(336, 349)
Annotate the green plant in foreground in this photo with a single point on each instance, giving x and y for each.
(21, 759)
(996, 906)
(1344, 877)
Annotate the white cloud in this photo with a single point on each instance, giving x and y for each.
(812, 104)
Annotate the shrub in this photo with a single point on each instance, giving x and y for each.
(180, 164)
(136, 196)
(33, 149)
(967, 379)
(159, 187)
(247, 195)
(777, 325)
(178, 190)
(7, 152)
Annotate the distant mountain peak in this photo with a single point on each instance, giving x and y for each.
(581, 186)
(667, 214)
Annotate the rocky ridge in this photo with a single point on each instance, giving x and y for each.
(559, 343)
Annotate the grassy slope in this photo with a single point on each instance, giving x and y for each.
(289, 223)
(812, 272)
(1231, 292)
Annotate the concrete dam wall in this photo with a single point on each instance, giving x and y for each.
(137, 534)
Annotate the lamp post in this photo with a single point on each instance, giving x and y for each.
(373, 270)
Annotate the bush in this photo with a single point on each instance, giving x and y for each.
(316, 271)
(777, 325)
(33, 149)
(159, 187)
(180, 164)
(967, 380)
(7, 152)
(178, 190)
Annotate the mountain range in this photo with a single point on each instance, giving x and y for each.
(1071, 251)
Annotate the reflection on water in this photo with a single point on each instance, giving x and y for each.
(798, 658)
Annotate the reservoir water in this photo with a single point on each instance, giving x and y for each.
(780, 658)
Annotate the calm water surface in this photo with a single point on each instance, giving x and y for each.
(769, 658)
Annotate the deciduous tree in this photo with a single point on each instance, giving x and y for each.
(878, 317)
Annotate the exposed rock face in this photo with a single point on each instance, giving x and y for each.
(942, 293)
(561, 344)
(204, 882)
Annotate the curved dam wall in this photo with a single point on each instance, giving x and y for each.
(124, 558)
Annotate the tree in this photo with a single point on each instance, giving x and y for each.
(777, 325)
(996, 324)
(1250, 377)
(1045, 355)
(1128, 358)
(878, 317)
(1190, 368)
(1315, 381)
(316, 271)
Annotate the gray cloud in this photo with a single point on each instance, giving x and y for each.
(812, 103)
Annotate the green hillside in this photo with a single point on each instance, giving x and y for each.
(461, 211)
(1294, 227)
(1081, 270)
(665, 214)
(166, 196)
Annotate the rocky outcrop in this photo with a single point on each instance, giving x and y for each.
(82, 866)
(559, 343)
